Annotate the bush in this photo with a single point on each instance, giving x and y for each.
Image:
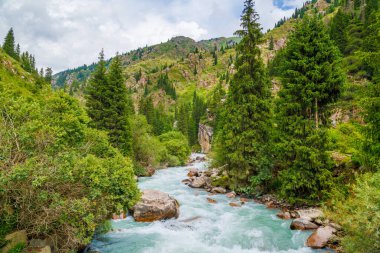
(177, 148)
(147, 148)
(359, 214)
(59, 178)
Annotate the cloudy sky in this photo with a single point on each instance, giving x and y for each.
(69, 33)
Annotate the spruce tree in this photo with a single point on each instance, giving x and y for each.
(107, 104)
(119, 111)
(244, 135)
(9, 44)
(338, 29)
(311, 81)
(96, 101)
(271, 43)
(48, 75)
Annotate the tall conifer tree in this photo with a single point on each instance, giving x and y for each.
(244, 134)
(311, 81)
(119, 108)
(108, 104)
(9, 44)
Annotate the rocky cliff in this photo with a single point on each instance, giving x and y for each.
(205, 137)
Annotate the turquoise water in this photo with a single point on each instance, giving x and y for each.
(220, 228)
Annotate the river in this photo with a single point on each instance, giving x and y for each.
(220, 228)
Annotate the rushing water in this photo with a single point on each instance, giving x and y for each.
(220, 228)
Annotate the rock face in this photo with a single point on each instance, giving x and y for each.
(320, 237)
(302, 224)
(205, 137)
(155, 205)
(14, 239)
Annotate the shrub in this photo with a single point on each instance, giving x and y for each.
(177, 146)
(59, 178)
(359, 214)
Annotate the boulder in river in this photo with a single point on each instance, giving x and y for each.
(231, 195)
(310, 214)
(284, 215)
(198, 182)
(220, 190)
(302, 224)
(193, 172)
(236, 204)
(155, 205)
(211, 201)
(187, 181)
(244, 200)
(319, 238)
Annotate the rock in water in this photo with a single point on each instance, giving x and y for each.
(302, 224)
(231, 195)
(211, 201)
(155, 205)
(284, 215)
(310, 214)
(320, 237)
(198, 182)
(220, 190)
(193, 172)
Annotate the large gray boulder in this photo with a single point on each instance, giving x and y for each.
(155, 205)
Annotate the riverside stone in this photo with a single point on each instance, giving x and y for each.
(155, 205)
(302, 224)
(319, 238)
(220, 190)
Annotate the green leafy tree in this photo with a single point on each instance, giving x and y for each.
(311, 81)
(244, 133)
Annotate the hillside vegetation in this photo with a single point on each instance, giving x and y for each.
(295, 113)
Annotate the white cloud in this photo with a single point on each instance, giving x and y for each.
(69, 33)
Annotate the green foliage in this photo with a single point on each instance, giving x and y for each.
(107, 104)
(371, 145)
(59, 178)
(18, 248)
(9, 44)
(177, 148)
(271, 43)
(338, 30)
(167, 86)
(158, 118)
(359, 214)
(311, 81)
(147, 148)
(244, 132)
